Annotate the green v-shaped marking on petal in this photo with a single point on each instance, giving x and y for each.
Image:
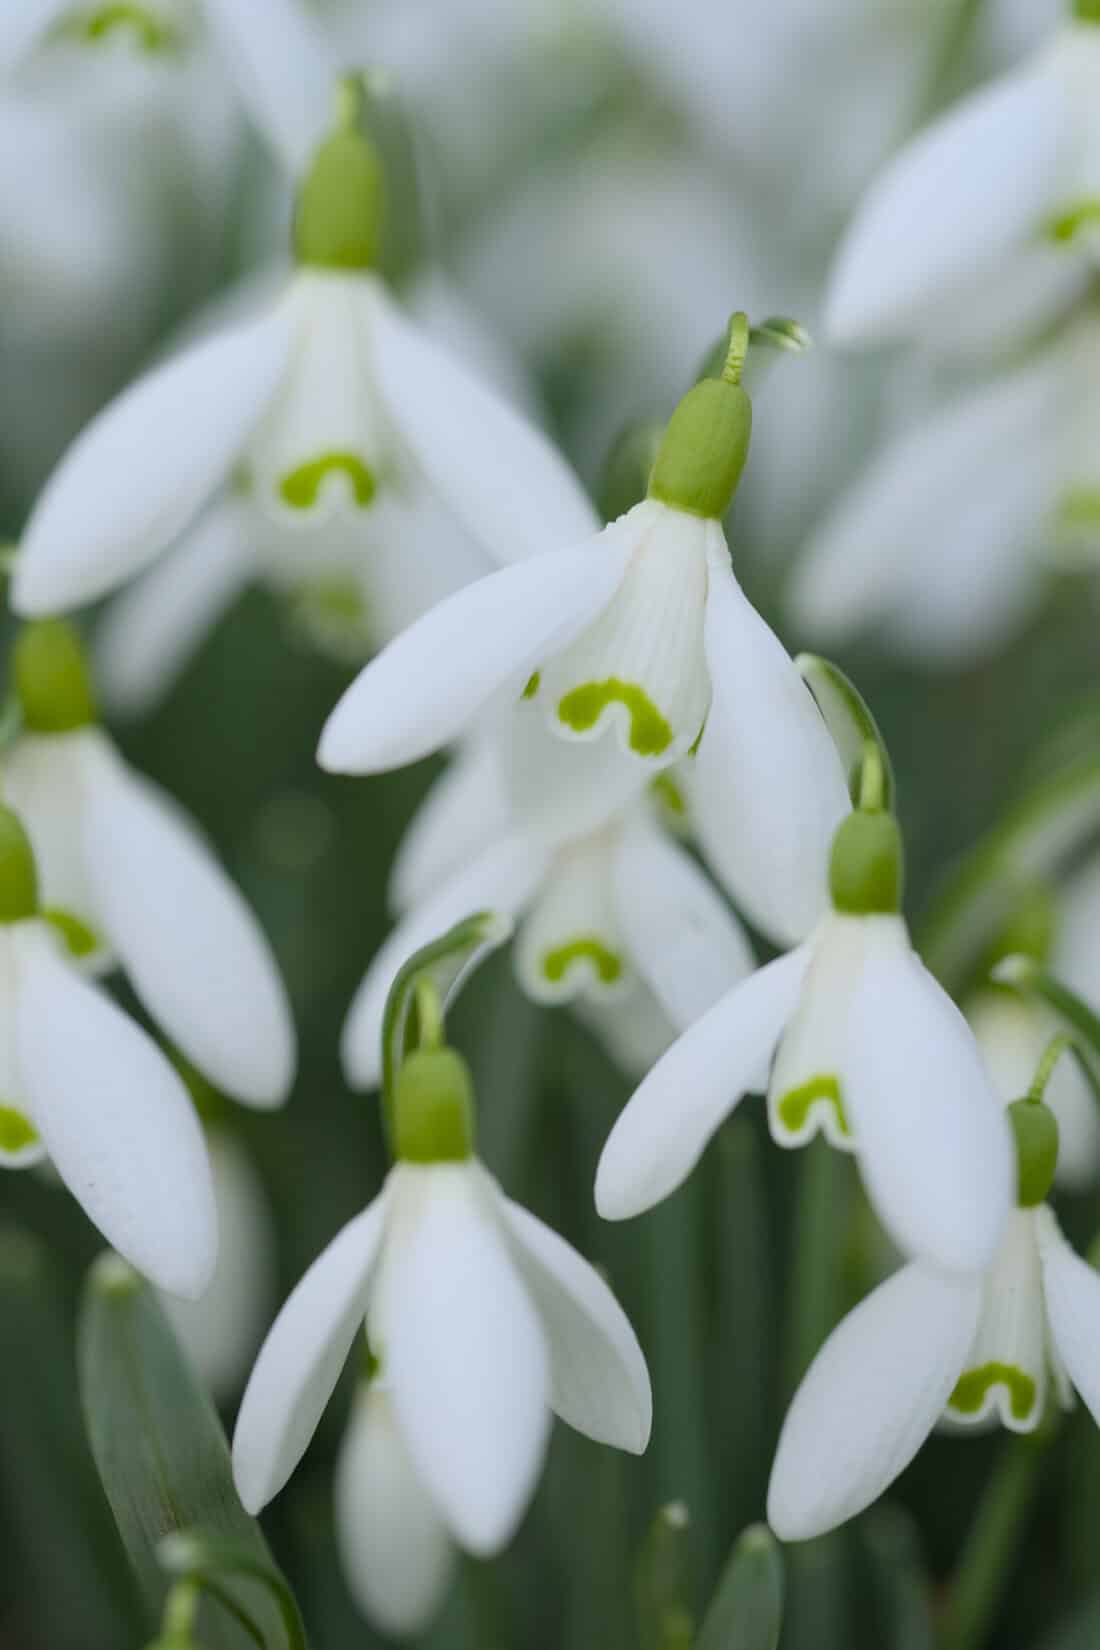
(154, 34)
(557, 963)
(1068, 224)
(795, 1106)
(301, 488)
(16, 1131)
(971, 1388)
(582, 708)
(80, 940)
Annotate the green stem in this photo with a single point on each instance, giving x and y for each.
(737, 348)
(872, 779)
(986, 1564)
(1053, 1052)
(180, 1609)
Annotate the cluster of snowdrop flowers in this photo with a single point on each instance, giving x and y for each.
(481, 1324)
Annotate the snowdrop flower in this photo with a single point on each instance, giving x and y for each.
(868, 1050)
(327, 403)
(85, 1085)
(926, 1345)
(643, 635)
(944, 542)
(127, 880)
(283, 70)
(614, 916)
(946, 214)
(483, 1319)
(395, 1549)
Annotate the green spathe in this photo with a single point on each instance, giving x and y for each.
(339, 211)
(51, 678)
(1035, 1128)
(867, 865)
(18, 874)
(704, 448)
(434, 1108)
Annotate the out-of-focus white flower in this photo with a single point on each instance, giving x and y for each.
(869, 1050)
(615, 917)
(484, 1322)
(221, 1331)
(643, 630)
(395, 1549)
(946, 212)
(127, 879)
(83, 1083)
(943, 543)
(330, 402)
(925, 1345)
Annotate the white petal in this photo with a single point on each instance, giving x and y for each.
(947, 207)
(501, 477)
(20, 1143)
(134, 478)
(394, 1547)
(682, 937)
(424, 689)
(42, 778)
(806, 1093)
(869, 1400)
(599, 1383)
(1005, 1372)
(284, 71)
(769, 791)
(116, 1119)
(660, 1135)
(301, 1359)
(193, 950)
(465, 1357)
(502, 878)
(935, 1147)
(643, 655)
(460, 813)
(562, 789)
(633, 1027)
(1072, 1290)
(23, 25)
(152, 630)
(569, 943)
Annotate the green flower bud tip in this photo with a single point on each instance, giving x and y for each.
(338, 216)
(51, 677)
(18, 874)
(1036, 1130)
(434, 1109)
(703, 453)
(1087, 11)
(867, 865)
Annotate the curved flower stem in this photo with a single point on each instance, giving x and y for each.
(975, 1593)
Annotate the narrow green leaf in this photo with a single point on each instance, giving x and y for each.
(162, 1454)
(1080, 1631)
(900, 1587)
(848, 718)
(747, 1610)
(665, 1617)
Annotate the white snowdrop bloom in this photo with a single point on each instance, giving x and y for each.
(1012, 1033)
(221, 1331)
(945, 542)
(283, 70)
(641, 635)
(128, 881)
(81, 1082)
(613, 915)
(868, 1050)
(926, 1346)
(484, 1321)
(395, 1549)
(946, 212)
(325, 403)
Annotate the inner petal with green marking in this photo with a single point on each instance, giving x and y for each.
(1082, 217)
(583, 708)
(973, 1388)
(815, 1102)
(152, 31)
(303, 487)
(18, 1134)
(587, 949)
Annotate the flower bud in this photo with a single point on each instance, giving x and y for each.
(1036, 1130)
(18, 874)
(434, 1108)
(703, 453)
(1087, 11)
(51, 677)
(338, 215)
(867, 865)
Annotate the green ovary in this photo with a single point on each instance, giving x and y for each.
(557, 963)
(971, 1389)
(16, 1131)
(1068, 224)
(582, 708)
(302, 488)
(796, 1104)
(80, 940)
(152, 32)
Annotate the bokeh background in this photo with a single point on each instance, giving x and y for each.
(603, 183)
